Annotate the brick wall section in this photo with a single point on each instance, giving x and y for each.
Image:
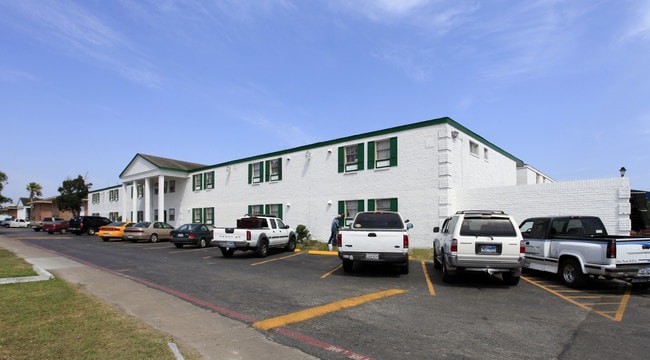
(608, 199)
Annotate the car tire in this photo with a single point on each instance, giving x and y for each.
(153, 238)
(348, 265)
(571, 273)
(436, 263)
(446, 277)
(262, 249)
(227, 253)
(202, 243)
(178, 246)
(404, 268)
(510, 278)
(63, 231)
(91, 231)
(291, 245)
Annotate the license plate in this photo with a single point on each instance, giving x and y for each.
(644, 272)
(230, 243)
(179, 235)
(488, 249)
(372, 256)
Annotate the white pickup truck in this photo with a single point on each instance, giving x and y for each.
(375, 236)
(257, 233)
(578, 247)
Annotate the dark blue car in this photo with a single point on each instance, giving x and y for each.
(191, 234)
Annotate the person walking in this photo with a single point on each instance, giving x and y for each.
(334, 231)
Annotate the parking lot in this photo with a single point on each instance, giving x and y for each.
(307, 301)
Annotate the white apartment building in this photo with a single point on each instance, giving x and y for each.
(426, 171)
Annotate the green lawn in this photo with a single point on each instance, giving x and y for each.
(55, 320)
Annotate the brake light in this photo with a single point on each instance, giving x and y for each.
(611, 249)
(522, 247)
(249, 236)
(339, 240)
(191, 236)
(454, 245)
(405, 241)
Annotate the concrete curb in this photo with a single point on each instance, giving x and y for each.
(43, 275)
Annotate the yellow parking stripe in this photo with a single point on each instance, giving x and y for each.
(428, 279)
(574, 299)
(331, 271)
(323, 310)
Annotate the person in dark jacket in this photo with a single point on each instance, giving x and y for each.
(334, 231)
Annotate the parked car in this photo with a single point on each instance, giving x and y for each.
(148, 230)
(87, 224)
(192, 234)
(5, 220)
(38, 225)
(114, 230)
(59, 225)
(17, 223)
(479, 241)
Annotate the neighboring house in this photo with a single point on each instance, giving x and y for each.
(42, 208)
(426, 171)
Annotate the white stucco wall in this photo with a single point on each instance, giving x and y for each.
(436, 175)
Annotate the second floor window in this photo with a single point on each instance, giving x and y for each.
(209, 180)
(197, 182)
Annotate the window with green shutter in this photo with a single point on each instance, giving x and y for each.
(197, 182)
(255, 172)
(351, 158)
(382, 153)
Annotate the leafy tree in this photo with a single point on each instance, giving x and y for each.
(35, 190)
(3, 181)
(73, 192)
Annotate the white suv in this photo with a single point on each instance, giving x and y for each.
(479, 240)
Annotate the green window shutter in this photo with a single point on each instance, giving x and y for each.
(250, 210)
(371, 204)
(371, 154)
(341, 159)
(360, 205)
(360, 156)
(262, 171)
(342, 208)
(280, 172)
(267, 170)
(393, 204)
(250, 174)
(280, 211)
(393, 151)
(267, 209)
(203, 176)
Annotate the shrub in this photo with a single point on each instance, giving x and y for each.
(302, 233)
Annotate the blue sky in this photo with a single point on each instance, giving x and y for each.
(85, 85)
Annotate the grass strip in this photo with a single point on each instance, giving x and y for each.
(55, 320)
(13, 266)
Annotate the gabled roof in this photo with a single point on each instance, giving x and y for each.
(165, 163)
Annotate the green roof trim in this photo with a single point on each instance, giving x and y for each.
(426, 123)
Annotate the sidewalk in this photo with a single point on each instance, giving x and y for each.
(208, 333)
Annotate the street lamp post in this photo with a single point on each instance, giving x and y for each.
(622, 170)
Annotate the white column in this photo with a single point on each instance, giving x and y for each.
(147, 200)
(161, 198)
(134, 205)
(125, 203)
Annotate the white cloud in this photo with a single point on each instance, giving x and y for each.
(15, 76)
(639, 28)
(78, 32)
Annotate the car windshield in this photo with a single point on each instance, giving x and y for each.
(487, 227)
(116, 223)
(187, 227)
(378, 221)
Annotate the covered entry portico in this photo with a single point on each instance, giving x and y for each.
(155, 186)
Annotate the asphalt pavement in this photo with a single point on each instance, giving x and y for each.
(205, 332)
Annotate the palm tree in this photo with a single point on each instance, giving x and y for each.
(35, 190)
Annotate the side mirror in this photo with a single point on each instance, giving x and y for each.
(436, 229)
(409, 226)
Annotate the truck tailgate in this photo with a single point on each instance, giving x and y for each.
(380, 241)
(633, 251)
